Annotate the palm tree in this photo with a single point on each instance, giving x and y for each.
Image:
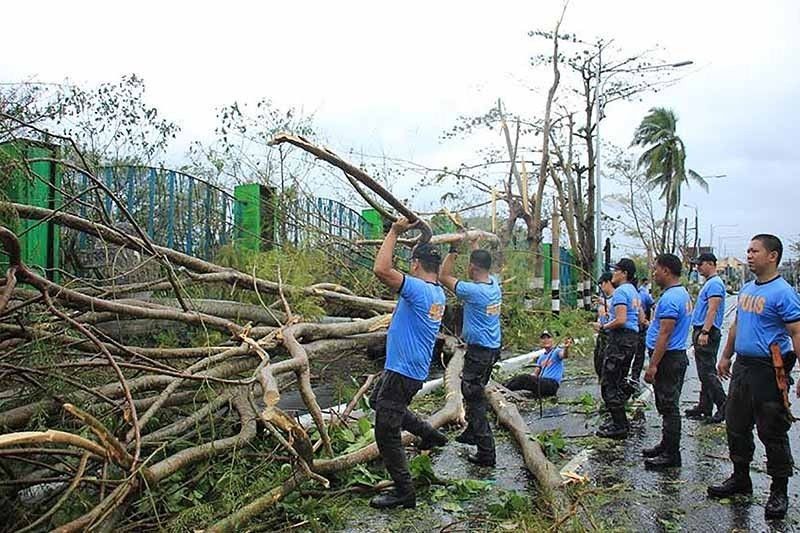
(664, 162)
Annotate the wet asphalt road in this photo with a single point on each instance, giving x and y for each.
(676, 500)
(637, 499)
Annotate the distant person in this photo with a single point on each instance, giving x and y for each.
(409, 349)
(706, 336)
(482, 299)
(767, 315)
(646, 301)
(546, 377)
(623, 336)
(667, 340)
(605, 314)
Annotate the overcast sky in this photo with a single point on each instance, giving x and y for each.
(390, 80)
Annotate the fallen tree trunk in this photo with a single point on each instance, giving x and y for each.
(545, 472)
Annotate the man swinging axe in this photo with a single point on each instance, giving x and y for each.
(765, 338)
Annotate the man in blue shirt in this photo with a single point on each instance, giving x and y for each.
(667, 339)
(409, 349)
(767, 315)
(706, 335)
(605, 314)
(549, 371)
(623, 336)
(647, 302)
(482, 298)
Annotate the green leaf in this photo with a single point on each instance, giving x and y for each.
(452, 507)
(364, 425)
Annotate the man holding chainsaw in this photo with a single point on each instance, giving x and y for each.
(765, 337)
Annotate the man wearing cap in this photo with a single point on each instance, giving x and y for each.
(765, 337)
(646, 302)
(706, 335)
(482, 298)
(409, 349)
(667, 339)
(605, 314)
(549, 371)
(623, 336)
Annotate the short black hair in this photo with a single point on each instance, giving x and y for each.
(428, 256)
(671, 262)
(604, 277)
(771, 243)
(481, 259)
(643, 280)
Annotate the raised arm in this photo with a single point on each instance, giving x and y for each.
(384, 268)
(446, 277)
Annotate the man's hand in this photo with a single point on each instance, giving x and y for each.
(724, 368)
(597, 327)
(650, 375)
(401, 225)
(567, 342)
(702, 340)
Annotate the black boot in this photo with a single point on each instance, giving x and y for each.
(434, 439)
(697, 413)
(618, 428)
(477, 459)
(718, 417)
(466, 437)
(655, 451)
(738, 483)
(396, 498)
(778, 501)
(666, 459)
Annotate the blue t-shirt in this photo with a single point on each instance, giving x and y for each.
(675, 303)
(646, 301)
(415, 323)
(481, 312)
(610, 312)
(713, 287)
(627, 295)
(762, 312)
(552, 365)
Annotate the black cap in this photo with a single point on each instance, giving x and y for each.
(545, 334)
(426, 252)
(626, 265)
(707, 256)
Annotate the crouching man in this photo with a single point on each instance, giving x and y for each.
(549, 371)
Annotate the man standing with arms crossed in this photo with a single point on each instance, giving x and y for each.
(765, 337)
(409, 349)
(667, 338)
(622, 339)
(482, 298)
(707, 326)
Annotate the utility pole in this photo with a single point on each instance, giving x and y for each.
(555, 254)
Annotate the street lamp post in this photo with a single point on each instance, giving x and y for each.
(598, 104)
(696, 228)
